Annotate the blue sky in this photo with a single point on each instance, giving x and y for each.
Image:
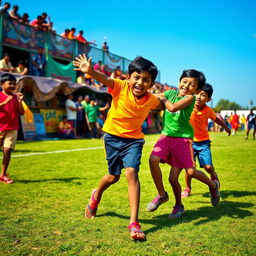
(216, 37)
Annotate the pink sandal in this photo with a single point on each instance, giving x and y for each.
(91, 208)
(135, 229)
(6, 180)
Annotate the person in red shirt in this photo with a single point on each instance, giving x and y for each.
(10, 109)
(38, 23)
(234, 123)
(81, 39)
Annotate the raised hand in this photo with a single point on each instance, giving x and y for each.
(83, 64)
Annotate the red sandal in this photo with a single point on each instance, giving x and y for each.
(135, 229)
(6, 180)
(91, 208)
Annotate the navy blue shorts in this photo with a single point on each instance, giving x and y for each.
(202, 151)
(122, 153)
(251, 126)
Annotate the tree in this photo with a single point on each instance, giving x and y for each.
(227, 105)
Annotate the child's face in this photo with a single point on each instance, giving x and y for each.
(9, 87)
(140, 83)
(202, 98)
(187, 85)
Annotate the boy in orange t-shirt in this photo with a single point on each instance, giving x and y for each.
(201, 141)
(123, 139)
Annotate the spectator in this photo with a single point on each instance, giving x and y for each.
(47, 25)
(243, 122)
(117, 74)
(80, 79)
(38, 63)
(38, 23)
(66, 33)
(21, 69)
(81, 39)
(99, 66)
(24, 19)
(80, 117)
(65, 130)
(234, 123)
(13, 13)
(71, 110)
(5, 64)
(71, 34)
(105, 47)
(251, 124)
(91, 112)
(4, 9)
(86, 101)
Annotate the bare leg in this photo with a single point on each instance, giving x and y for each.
(211, 170)
(157, 174)
(199, 175)
(6, 160)
(188, 180)
(174, 181)
(134, 197)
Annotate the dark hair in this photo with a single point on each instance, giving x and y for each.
(140, 64)
(6, 54)
(67, 30)
(7, 77)
(73, 29)
(199, 76)
(207, 88)
(64, 117)
(81, 31)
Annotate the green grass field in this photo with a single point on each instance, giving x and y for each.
(42, 213)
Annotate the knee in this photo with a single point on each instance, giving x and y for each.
(172, 180)
(154, 160)
(208, 168)
(190, 172)
(7, 151)
(131, 174)
(113, 178)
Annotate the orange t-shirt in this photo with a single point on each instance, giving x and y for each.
(127, 113)
(199, 121)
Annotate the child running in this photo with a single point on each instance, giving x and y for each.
(201, 141)
(175, 144)
(10, 109)
(131, 103)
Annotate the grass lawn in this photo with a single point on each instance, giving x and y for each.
(42, 213)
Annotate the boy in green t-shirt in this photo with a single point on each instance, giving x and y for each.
(175, 144)
(91, 114)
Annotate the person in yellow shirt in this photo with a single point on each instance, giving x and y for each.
(123, 138)
(66, 131)
(201, 141)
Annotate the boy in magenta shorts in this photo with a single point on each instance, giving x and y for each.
(10, 109)
(175, 144)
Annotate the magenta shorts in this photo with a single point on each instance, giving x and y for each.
(177, 152)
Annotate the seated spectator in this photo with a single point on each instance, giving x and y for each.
(13, 13)
(80, 79)
(47, 25)
(99, 66)
(117, 74)
(71, 34)
(88, 79)
(38, 63)
(5, 64)
(21, 69)
(24, 19)
(38, 23)
(81, 39)
(65, 130)
(4, 9)
(65, 34)
(105, 47)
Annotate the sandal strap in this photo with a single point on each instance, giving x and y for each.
(134, 225)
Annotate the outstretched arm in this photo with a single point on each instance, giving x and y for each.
(219, 122)
(85, 66)
(173, 107)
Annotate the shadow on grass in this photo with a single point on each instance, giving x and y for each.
(200, 215)
(27, 151)
(66, 180)
(227, 193)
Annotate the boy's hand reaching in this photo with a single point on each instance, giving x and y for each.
(83, 64)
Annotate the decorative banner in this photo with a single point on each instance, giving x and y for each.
(60, 47)
(28, 129)
(22, 36)
(113, 61)
(40, 126)
(57, 70)
(52, 117)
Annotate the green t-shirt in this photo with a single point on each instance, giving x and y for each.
(85, 104)
(176, 124)
(92, 112)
